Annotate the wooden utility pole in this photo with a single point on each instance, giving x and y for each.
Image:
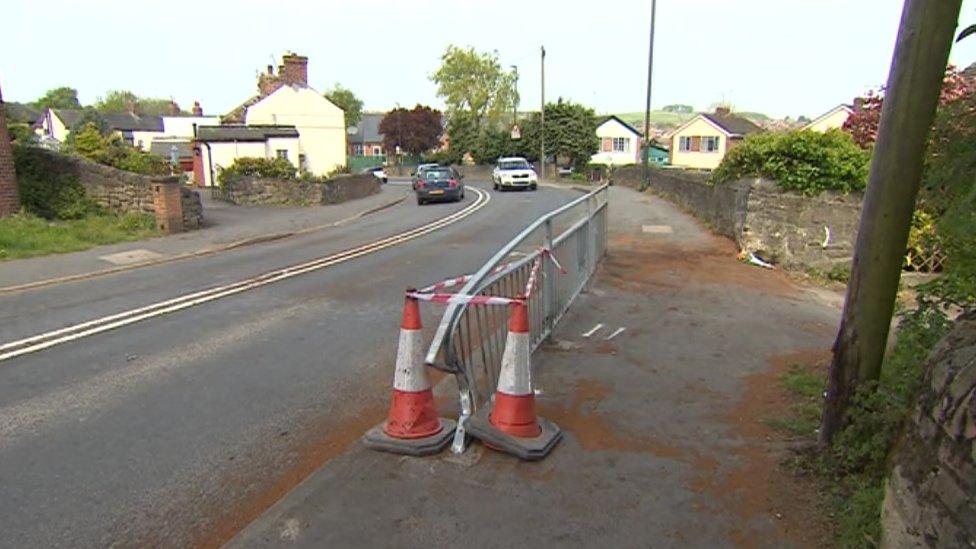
(645, 150)
(912, 94)
(542, 120)
(9, 199)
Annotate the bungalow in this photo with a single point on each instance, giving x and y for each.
(620, 143)
(217, 147)
(284, 103)
(704, 140)
(137, 130)
(834, 118)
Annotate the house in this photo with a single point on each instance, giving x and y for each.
(137, 130)
(704, 140)
(658, 154)
(367, 140)
(167, 146)
(620, 143)
(834, 118)
(217, 147)
(284, 103)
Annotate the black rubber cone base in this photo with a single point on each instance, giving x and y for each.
(377, 439)
(529, 449)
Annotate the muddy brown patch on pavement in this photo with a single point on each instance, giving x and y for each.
(758, 486)
(582, 420)
(635, 264)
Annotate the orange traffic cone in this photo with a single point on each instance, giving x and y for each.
(510, 423)
(412, 426)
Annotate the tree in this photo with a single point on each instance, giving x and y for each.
(678, 108)
(570, 131)
(120, 101)
(58, 98)
(474, 83)
(416, 131)
(917, 71)
(348, 102)
(863, 123)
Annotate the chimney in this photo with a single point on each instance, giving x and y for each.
(197, 109)
(722, 111)
(174, 108)
(858, 104)
(294, 69)
(270, 70)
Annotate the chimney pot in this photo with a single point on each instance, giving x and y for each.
(270, 70)
(722, 111)
(197, 109)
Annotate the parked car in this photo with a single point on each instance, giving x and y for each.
(438, 183)
(379, 172)
(565, 171)
(514, 173)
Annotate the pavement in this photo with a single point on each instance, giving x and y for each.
(665, 440)
(183, 426)
(226, 226)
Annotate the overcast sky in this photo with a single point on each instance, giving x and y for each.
(781, 57)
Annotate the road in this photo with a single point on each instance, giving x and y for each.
(180, 428)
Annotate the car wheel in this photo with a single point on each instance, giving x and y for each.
(384, 180)
(533, 187)
(420, 201)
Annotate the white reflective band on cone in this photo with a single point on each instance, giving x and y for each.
(411, 374)
(515, 377)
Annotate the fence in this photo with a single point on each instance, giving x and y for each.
(470, 339)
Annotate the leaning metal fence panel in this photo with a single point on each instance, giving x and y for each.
(470, 339)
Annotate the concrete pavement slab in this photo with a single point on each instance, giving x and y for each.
(664, 441)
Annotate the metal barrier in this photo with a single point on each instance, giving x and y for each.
(470, 339)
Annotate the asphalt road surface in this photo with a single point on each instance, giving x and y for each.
(181, 426)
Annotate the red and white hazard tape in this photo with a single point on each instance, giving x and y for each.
(431, 294)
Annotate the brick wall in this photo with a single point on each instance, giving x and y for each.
(9, 201)
(930, 497)
(788, 229)
(248, 191)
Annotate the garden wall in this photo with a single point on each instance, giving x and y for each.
(250, 191)
(117, 190)
(930, 497)
(788, 229)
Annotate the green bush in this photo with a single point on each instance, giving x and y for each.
(111, 151)
(48, 194)
(278, 168)
(804, 161)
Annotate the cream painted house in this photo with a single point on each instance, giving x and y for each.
(138, 130)
(834, 118)
(703, 141)
(620, 143)
(286, 119)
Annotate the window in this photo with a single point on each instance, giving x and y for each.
(684, 144)
(357, 149)
(282, 153)
(698, 143)
(621, 144)
(710, 143)
(377, 151)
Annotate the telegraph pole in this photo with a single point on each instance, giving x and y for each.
(515, 100)
(542, 123)
(645, 150)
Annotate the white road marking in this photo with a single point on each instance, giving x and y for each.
(593, 331)
(77, 331)
(615, 333)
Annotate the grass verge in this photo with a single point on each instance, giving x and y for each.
(25, 235)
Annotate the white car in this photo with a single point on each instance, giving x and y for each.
(514, 173)
(379, 172)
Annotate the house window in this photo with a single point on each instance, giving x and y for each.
(710, 143)
(684, 144)
(698, 143)
(377, 151)
(282, 153)
(621, 144)
(357, 149)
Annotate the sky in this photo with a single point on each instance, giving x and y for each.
(780, 57)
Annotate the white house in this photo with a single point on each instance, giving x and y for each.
(287, 119)
(834, 118)
(620, 143)
(138, 130)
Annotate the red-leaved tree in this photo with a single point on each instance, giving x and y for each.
(416, 131)
(863, 123)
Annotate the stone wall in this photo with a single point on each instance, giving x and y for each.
(785, 228)
(930, 497)
(117, 190)
(250, 191)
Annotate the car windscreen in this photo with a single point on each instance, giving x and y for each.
(435, 173)
(514, 165)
